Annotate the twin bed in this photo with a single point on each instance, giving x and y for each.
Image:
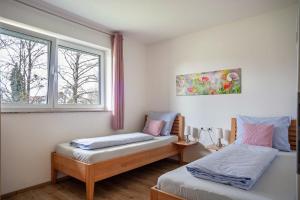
(89, 166)
(277, 183)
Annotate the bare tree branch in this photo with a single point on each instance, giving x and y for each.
(26, 56)
(76, 71)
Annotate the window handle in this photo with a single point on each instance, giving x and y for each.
(52, 70)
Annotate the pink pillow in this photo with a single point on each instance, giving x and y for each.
(258, 134)
(153, 127)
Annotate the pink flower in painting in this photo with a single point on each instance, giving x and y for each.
(205, 79)
(191, 90)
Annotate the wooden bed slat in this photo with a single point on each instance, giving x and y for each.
(69, 166)
(156, 194)
(116, 166)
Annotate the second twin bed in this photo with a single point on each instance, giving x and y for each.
(275, 175)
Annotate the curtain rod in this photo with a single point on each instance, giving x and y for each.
(62, 17)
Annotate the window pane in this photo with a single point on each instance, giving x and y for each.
(78, 77)
(23, 69)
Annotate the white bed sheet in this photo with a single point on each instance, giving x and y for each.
(277, 183)
(97, 155)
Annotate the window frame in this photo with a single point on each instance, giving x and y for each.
(52, 90)
(101, 83)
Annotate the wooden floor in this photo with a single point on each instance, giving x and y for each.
(133, 185)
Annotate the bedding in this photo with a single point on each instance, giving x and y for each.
(258, 134)
(238, 165)
(153, 127)
(97, 155)
(277, 183)
(167, 117)
(280, 139)
(110, 140)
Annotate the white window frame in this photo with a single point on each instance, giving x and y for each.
(101, 83)
(52, 92)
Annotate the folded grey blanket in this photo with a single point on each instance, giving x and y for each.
(109, 141)
(238, 165)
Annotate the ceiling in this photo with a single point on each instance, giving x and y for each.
(151, 21)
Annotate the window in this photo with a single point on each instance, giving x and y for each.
(24, 69)
(78, 77)
(38, 72)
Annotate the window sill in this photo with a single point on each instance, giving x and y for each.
(52, 110)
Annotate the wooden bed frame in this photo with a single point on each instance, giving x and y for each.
(156, 194)
(91, 173)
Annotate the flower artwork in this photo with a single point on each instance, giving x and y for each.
(209, 83)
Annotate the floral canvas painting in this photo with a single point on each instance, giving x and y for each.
(209, 83)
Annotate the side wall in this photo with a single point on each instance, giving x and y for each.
(263, 46)
(28, 139)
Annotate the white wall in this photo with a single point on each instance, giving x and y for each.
(28, 139)
(263, 46)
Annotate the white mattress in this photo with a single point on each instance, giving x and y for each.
(277, 183)
(97, 155)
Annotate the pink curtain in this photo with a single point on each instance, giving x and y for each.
(118, 81)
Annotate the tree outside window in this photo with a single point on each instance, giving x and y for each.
(23, 70)
(78, 77)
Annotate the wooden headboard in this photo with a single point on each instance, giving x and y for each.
(178, 127)
(292, 133)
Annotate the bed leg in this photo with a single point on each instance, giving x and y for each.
(90, 185)
(53, 170)
(153, 194)
(90, 182)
